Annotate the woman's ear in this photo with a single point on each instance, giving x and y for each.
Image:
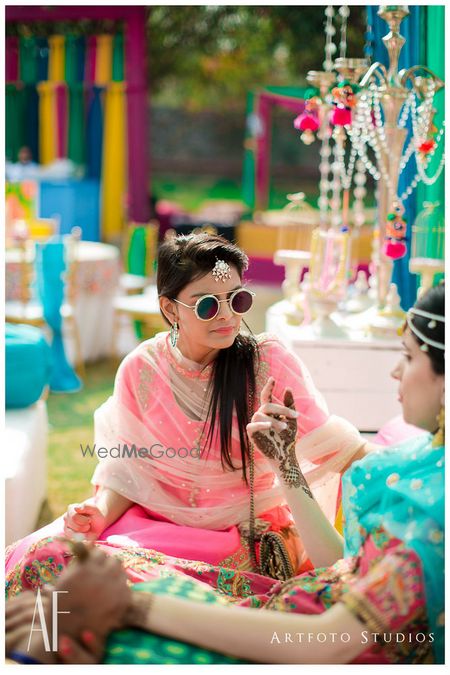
(168, 308)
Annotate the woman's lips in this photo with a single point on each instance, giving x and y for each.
(225, 331)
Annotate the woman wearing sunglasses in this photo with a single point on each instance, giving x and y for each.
(177, 472)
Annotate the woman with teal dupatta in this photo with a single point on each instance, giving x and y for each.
(377, 596)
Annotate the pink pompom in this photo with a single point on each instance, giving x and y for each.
(341, 117)
(305, 122)
(394, 249)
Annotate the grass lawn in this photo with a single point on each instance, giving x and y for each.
(71, 423)
(191, 191)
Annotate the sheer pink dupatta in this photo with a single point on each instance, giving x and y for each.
(160, 403)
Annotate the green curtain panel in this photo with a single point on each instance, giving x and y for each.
(16, 135)
(28, 62)
(433, 56)
(70, 61)
(118, 58)
(248, 171)
(76, 150)
(137, 252)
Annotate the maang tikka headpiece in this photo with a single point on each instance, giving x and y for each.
(221, 271)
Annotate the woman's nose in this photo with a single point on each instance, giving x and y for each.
(225, 310)
(396, 372)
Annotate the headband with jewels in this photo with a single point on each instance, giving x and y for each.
(221, 271)
(434, 318)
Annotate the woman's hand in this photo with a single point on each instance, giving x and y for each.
(93, 600)
(273, 429)
(95, 592)
(86, 518)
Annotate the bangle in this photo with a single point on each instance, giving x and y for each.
(21, 657)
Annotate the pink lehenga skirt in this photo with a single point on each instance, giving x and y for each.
(141, 529)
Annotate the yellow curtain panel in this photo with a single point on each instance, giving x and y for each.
(47, 125)
(56, 58)
(114, 164)
(103, 59)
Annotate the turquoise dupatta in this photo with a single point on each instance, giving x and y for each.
(402, 490)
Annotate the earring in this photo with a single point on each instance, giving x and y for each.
(439, 436)
(174, 334)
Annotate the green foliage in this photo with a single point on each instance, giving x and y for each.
(210, 56)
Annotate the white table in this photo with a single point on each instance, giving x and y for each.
(352, 374)
(98, 270)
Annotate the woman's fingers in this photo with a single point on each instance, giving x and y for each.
(289, 400)
(75, 526)
(93, 643)
(71, 651)
(273, 423)
(277, 409)
(72, 532)
(253, 427)
(80, 520)
(266, 391)
(87, 509)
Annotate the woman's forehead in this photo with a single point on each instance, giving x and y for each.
(208, 284)
(408, 339)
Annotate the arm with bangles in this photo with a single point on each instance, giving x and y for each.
(254, 635)
(274, 430)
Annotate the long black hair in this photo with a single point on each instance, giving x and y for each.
(183, 259)
(433, 301)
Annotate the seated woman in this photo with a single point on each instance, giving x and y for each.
(176, 471)
(381, 603)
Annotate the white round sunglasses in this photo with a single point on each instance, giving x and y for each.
(208, 306)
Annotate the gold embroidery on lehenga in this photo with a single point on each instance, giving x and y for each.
(233, 583)
(240, 559)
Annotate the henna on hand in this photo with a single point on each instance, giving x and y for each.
(280, 447)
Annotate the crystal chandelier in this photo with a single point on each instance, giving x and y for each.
(370, 107)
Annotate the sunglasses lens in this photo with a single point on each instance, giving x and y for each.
(207, 308)
(242, 302)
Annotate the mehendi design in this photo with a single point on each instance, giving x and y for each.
(291, 472)
(281, 448)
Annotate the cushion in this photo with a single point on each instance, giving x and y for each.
(27, 365)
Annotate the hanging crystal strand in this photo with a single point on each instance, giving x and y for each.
(344, 13)
(324, 132)
(359, 192)
(421, 168)
(324, 168)
(421, 118)
(335, 202)
(374, 264)
(330, 47)
(346, 172)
